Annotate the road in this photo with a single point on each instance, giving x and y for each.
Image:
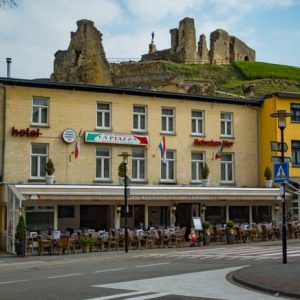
(176, 273)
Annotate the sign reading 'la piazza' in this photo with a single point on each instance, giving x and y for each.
(116, 138)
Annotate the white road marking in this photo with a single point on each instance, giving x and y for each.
(109, 270)
(207, 284)
(118, 295)
(62, 276)
(151, 265)
(13, 281)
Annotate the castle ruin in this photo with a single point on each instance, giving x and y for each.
(224, 48)
(85, 60)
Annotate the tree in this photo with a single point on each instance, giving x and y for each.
(5, 4)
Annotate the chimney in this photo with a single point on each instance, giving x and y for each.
(8, 61)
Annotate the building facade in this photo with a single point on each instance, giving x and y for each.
(42, 120)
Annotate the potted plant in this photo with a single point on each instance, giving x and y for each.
(206, 231)
(201, 238)
(205, 173)
(20, 237)
(230, 232)
(49, 171)
(86, 242)
(268, 177)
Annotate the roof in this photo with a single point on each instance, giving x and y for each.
(282, 95)
(121, 90)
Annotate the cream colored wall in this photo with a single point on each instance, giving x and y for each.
(73, 109)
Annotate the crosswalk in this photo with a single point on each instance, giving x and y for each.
(230, 253)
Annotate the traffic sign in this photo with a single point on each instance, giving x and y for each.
(277, 159)
(276, 146)
(281, 172)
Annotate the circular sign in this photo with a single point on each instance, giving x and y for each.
(69, 135)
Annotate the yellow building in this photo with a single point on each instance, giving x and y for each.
(42, 120)
(269, 131)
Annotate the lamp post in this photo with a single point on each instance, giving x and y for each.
(281, 115)
(125, 156)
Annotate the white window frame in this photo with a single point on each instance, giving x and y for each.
(199, 166)
(101, 158)
(225, 123)
(167, 166)
(40, 173)
(40, 108)
(103, 113)
(137, 162)
(227, 164)
(139, 116)
(197, 121)
(168, 118)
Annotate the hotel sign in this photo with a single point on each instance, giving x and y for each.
(116, 138)
(212, 143)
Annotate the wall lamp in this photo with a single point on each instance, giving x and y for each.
(119, 209)
(276, 209)
(174, 208)
(203, 209)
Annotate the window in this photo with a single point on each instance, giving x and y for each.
(197, 165)
(168, 169)
(197, 122)
(40, 111)
(296, 153)
(226, 168)
(39, 156)
(295, 112)
(139, 118)
(226, 124)
(138, 164)
(103, 158)
(167, 120)
(103, 115)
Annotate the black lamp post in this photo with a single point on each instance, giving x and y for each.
(281, 115)
(125, 156)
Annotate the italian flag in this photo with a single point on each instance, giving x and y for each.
(77, 145)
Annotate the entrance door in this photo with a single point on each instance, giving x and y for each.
(95, 217)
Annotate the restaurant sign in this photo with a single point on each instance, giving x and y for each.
(116, 138)
(212, 143)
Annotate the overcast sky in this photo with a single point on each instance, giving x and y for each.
(33, 31)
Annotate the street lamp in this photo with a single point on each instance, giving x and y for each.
(125, 156)
(281, 115)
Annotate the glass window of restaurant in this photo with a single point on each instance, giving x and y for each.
(239, 214)
(39, 218)
(215, 214)
(261, 214)
(159, 216)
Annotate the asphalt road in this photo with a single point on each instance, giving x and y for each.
(185, 273)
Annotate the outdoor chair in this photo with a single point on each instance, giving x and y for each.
(44, 245)
(67, 244)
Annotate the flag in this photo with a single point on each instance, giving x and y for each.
(218, 154)
(77, 145)
(163, 150)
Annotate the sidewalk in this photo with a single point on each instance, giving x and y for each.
(275, 277)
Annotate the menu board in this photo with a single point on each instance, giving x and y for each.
(197, 223)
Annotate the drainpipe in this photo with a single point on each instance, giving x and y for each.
(3, 99)
(8, 62)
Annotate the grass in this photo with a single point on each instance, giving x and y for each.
(260, 70)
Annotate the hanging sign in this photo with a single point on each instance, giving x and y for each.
(116, 138)
(69, 135)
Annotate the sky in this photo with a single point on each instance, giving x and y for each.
(32, 32)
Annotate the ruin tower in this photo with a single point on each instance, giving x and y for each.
(187, 40)
(219, 47)
(85, 60)
(203, 52)
(174, 40)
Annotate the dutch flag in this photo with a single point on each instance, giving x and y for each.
(163, 150)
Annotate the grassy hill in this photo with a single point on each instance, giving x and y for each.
(266, 77)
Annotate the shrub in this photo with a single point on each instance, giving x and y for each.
(205, 171)
(205, 225)
(21, 229)
(122, 167)
(50, 167)
(268, 173)
(230, 224)
(86, 241)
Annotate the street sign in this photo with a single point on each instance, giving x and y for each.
(281, 172)
(277, 159)
(276, 146)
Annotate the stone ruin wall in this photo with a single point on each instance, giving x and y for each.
(224, 48)
(85, 60)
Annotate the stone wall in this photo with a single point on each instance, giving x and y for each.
(85, 59)
(224, 48)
